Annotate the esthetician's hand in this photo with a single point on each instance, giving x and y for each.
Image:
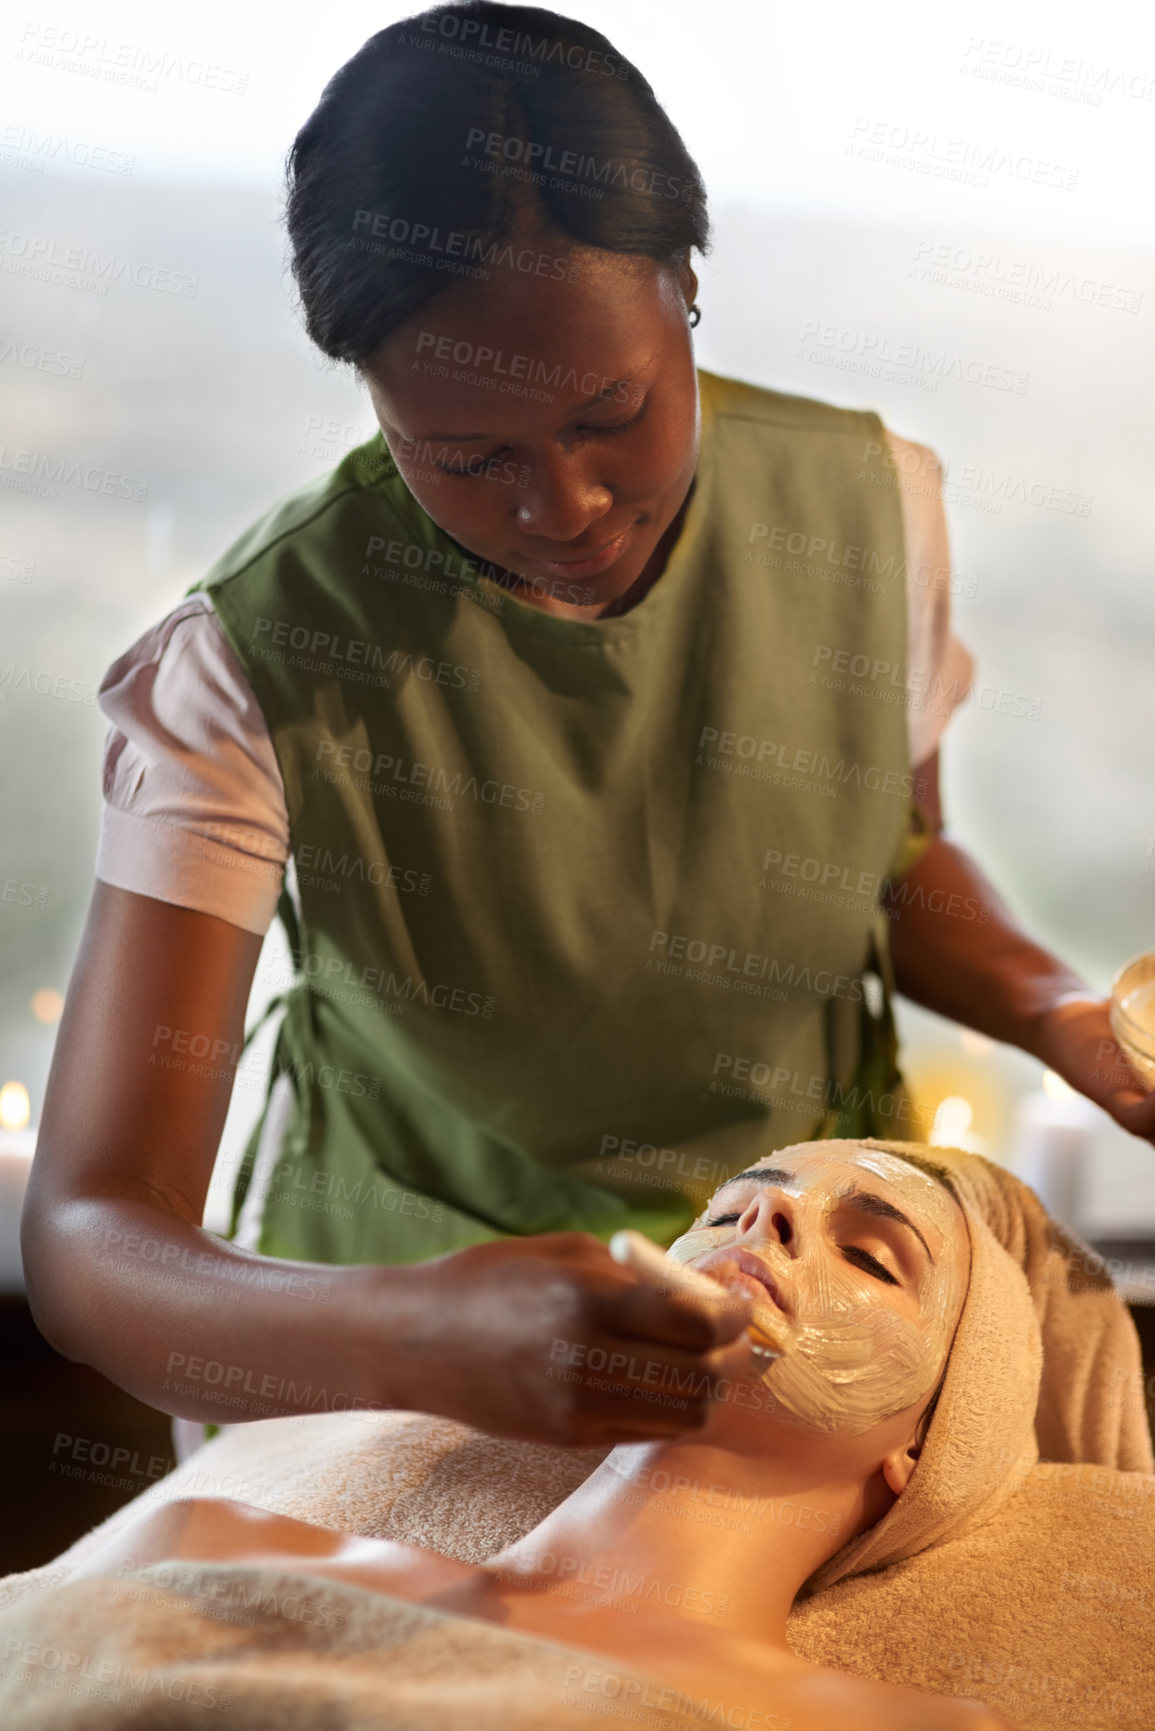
(550, 1340)
(1075, 1039)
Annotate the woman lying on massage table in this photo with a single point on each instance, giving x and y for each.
(862, 1261)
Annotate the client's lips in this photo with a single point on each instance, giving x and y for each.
(746, 1263)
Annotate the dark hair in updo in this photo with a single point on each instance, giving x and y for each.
(385, 148)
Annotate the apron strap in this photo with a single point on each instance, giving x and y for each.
(281, 1059)
(862, 1044)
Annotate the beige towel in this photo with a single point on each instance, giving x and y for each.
(991, 1576)
(1047, 1612)
(256, 1648)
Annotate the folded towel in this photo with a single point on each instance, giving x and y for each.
(167, 1647)
(1046, 1612)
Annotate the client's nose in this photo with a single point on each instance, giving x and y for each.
(771, 1214)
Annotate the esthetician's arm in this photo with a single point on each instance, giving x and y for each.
(957, 950)
(121, 1275)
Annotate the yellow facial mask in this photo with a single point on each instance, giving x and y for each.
(860, 1348)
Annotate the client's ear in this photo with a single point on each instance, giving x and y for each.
(898, 1466)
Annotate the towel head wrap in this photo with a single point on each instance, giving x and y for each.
(1092, 1360)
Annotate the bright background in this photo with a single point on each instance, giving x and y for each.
(217, 402)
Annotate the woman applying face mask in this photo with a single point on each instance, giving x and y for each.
(545, 765)
(679, 1561)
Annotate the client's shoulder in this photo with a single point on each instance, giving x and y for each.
(829, 1700)
(780, 1689)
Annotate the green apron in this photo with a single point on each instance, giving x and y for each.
(586, 906)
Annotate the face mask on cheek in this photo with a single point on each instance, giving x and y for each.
(852, 1361)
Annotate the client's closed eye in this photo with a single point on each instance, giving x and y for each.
(865, 1260)
(870, 1263)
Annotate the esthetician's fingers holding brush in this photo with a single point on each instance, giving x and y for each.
(549, 1339)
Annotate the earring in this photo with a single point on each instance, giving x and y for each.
(695, 315)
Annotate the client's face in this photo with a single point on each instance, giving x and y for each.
(862, 1261)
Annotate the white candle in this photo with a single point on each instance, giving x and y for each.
(1050, 1147)
(16, 1149)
